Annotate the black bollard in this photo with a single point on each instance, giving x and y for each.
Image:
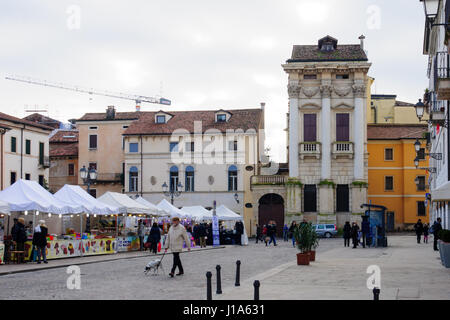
(238, 273)
(219, 284)
(256, 284)
(376, 294)
(208, 286)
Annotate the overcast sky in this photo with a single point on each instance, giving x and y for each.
(201, 54)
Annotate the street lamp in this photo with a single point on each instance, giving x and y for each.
(236, 197)
(420, 109)
(436, 156)
(89, 177)
(431, 8)
(172, 192)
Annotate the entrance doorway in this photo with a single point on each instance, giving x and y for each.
(271, 207)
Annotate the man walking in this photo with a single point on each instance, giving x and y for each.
(354, 233)
(419, 230)
(175, 237)
(202, 235)
(239, 227)
(436, 228)
(271, 232)
(258, 233)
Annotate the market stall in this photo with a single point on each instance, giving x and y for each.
(173, 211)
(198, 213)
(158, 212)
(229, 218)
(4, 212)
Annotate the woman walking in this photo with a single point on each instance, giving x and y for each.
(354, 234)
(347, 234)
(40, 241)
(174, 241)
(291, 232)
(154, 237)
(426, 231)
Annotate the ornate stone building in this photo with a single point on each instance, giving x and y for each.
(327, 143)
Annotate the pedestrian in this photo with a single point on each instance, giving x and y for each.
(40, 241)
(154, 237)
(141, 234)
(174, 241)
(365, 230)
(265, 236)
(271, 232)
(14, 229)
(195, 234)
(202, 235)
(285, 233)
(426, 229)
(258, 233)
(435, 230)
(239, 227)
(354, 234)
(347, 233)
(292, 232)
(20, 237)
(418, 227)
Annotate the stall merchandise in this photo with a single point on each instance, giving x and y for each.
(128, 243)
(2, 253)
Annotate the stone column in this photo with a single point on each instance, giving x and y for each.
(293, 91)
(325, 129)
(358, 130)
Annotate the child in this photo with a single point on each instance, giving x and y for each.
(266, 238)
(426, 231)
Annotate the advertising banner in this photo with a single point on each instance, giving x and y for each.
(130, 243)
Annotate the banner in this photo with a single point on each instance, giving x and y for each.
(215, 230)
(130, 243)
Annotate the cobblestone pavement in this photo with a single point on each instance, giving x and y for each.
(124, 278)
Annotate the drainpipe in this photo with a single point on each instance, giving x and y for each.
(142, 166)
(2, 132)
(448, 142)
(21, 152)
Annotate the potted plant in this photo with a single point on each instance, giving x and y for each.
(302, 236)
(444, 247)
(314, 243)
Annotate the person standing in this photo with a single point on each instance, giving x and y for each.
(202, 235)
(141, 234)
(271, 232)
(195, 234)
(347, 234)
(354, 234)
(425, 232)
(285, 233)
(258, 233)
(239, 227)
(154, 237)
(365, 230)
(418, 227)
(292, 232)
(40, 241)
(175, 237)
(20, 237)
(436, 228)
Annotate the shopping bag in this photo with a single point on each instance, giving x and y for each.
(159, 246)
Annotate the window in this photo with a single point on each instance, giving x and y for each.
(134, 147)
(342, 198)
(124, 127)
(12, 178)
(310, 198)
(189, 184)
(93, 128)
(342, 127)
(27, 146)
(232, 178)
(41, 153)
(71, 169)
(342, 76)
(93, 192)
(320, 227)
(232, 145)
(389, 183)
(41, 180)
(420, 183)
(189, 146)
(173, 178)
(133, 179)
(310, 76)
(173, 147)
(92, 165)
(27, 176)
(13, 144)
(421, 153)
(388, 154)
(421, 208)
(160, 119)
(92, 141)
(309, 127)
(221, 118)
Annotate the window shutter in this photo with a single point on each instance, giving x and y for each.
(309, 127)
(342, 127)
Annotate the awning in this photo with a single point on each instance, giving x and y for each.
(4, 207)
(223, 213)
(129, 205)
(172, 210)
(442, 193)
(147, 203)
(198, 213)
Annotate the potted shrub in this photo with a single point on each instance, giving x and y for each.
(314, 243)
(444, 247)
(302, 236)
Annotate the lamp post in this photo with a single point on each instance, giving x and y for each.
(420, 109)
(437, 156)
(89, 177)
(172, 192)
(236, 197)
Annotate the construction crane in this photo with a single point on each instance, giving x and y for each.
(137, 98)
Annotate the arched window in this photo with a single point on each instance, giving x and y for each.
(232, 178)
(189, 179)
(173, 178)
(133, 179)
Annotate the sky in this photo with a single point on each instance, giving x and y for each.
(200, 54)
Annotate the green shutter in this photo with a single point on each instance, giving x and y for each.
(41, 153)
(13, 144)
(28, 146)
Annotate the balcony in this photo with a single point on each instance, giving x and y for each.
(309, 149)
(342, 148)
(103, 177)
(436, 109)
(442, 75)
(44, 162)
(274, 180)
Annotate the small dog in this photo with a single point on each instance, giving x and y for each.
(154, 265)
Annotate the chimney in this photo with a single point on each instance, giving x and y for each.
(138, 108)
(361, 38)
(110, 112)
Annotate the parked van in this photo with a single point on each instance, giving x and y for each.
(326, 230)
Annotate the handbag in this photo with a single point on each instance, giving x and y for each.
(147, 245)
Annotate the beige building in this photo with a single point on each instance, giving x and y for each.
(24, 150)
(385, 108)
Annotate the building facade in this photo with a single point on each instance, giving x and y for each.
(385, 108)
(394, 181)
(328, 89)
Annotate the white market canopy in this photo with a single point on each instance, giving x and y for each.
(442, 193)
(198, 213)
(127, 204)
(77, 195)
(172, 210)
(158, 211)
(26, 195)
(4, 207)
(223, 213)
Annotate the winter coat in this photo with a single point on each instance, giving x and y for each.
(201, 231)
(175, 237)
(419, 228)
(155, 235)
(426, 230)
(40, 238)
(271, 229)
(347, 231)
(239, 227)
(20, 234)
(141, 230)
(436, 228)
(354, 231)
(365, 227)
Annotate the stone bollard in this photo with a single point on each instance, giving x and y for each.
(219, 283)
(238, 273)
(376, 294)
(256, 284)
(208, 286)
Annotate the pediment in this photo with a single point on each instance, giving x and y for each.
(310, 106)
(342, 106)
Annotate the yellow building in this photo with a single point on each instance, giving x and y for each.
(385, 108)
(394, 181)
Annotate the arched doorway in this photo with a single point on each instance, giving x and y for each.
(271, 207)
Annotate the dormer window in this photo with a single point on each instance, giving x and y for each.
(310, 76)
(327, 44)
(221, 118)
(161, 119)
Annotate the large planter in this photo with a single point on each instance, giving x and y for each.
(444, 251)
(303, 259)
(312, 255)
